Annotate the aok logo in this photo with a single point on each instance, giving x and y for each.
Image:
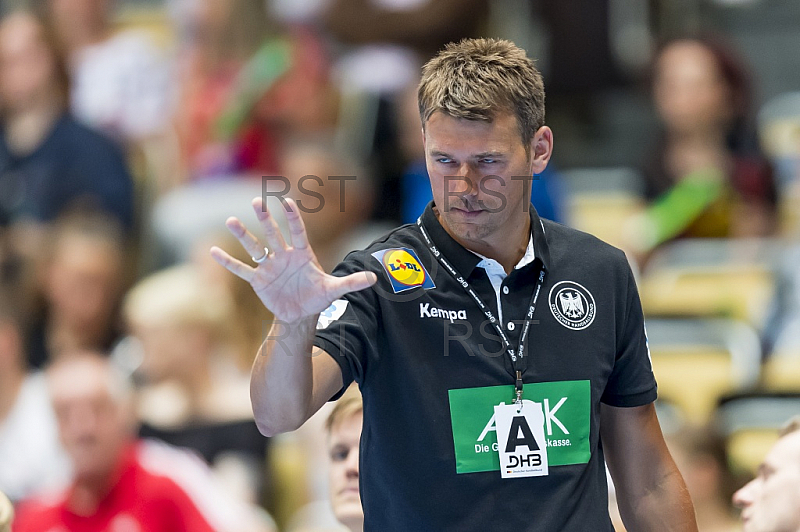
(404, 269)
(550, 421)
(566, 420)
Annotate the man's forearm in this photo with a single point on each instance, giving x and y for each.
(666, 507)
(281, 382)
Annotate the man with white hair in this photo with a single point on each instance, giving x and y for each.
(771, 501)
(121, 483)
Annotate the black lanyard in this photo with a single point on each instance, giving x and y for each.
(518, 359)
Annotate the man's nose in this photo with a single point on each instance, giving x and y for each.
(352, 464)
(81, 420)
(744, 496)
(467, 180)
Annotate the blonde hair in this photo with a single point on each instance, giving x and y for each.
(348, 405)
(476, 78)
(178, 296)
(791, 426)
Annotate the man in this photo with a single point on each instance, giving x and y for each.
(344, 433)
(122, 82)
(120, 483)
(451, 389)
(771, 501)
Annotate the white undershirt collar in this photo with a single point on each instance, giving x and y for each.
(496, 272)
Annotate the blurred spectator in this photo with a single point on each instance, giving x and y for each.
(344, 435)
(32, 456)
(121, 82)
(195, 395)
(389, 37)
(228, 58)
(771, 501)
(701, 458)
(82, 282)
(121, 483)
(49, 163)
(335, 196)
(244, 96)
(303, 102)
(707, 177)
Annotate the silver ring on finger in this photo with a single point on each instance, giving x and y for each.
(259, 260)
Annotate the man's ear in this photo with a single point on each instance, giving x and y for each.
(541, 149)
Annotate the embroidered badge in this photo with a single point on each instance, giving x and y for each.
(572, 305)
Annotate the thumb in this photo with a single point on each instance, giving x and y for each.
(353, 283)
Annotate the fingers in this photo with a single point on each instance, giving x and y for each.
(236, 267)
(245, 237)
(297, 229)
(352, 283)
(272, 234)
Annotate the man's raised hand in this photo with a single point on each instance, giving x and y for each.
(289, 281)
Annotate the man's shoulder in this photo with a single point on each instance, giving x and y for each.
(568, 243)
(404, 236)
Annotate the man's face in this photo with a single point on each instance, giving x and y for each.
(93, 425)
(71, 16)
(478, 171)
(343, 452)
(771, 501)
(84, 281)
(26, 66)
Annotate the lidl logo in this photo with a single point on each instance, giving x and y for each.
(404, 269)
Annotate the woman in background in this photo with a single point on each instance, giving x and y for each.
(707, 177)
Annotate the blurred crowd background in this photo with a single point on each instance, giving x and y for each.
(131, 129)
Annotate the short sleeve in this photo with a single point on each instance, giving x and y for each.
(347, 330)
(631, 382)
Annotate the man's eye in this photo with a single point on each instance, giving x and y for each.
(488, 160)
(339, 455)
(444, 160)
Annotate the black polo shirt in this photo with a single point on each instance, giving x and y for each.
(431, 368)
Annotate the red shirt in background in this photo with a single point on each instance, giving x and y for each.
(160, 489)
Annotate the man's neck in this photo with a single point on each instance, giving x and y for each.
(88, 491)
(27, 128)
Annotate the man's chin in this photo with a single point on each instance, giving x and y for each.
(351, 515)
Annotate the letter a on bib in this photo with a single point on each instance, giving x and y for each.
(522, 447)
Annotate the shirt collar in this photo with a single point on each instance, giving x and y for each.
(465, 261)
(526, 259)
